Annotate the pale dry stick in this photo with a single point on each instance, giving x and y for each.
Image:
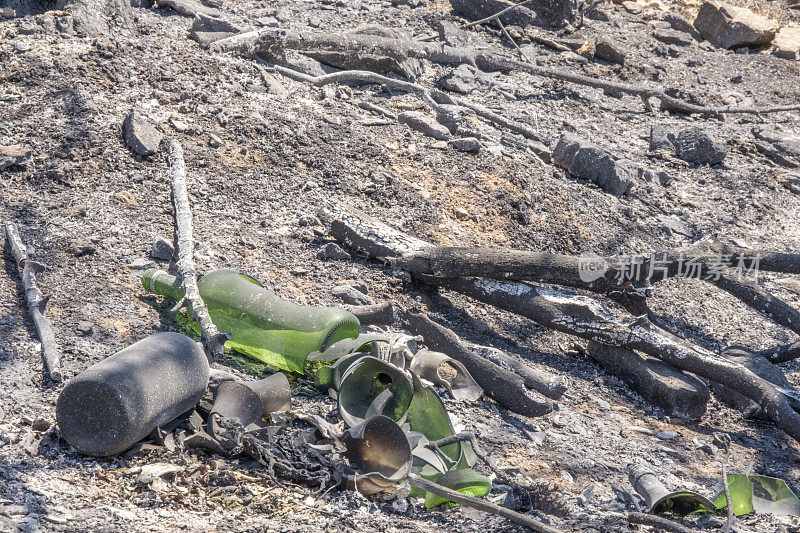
(481, 505)
(213, 340)
(726, 528)
(363, 76)
(37, 304)
(270, 39)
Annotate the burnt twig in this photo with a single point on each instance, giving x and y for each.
(470, 437)
(213, 340)
(658, 523)
(751, 294)
(482, 505)
(709, 264)
(781, 354)
(37, 304)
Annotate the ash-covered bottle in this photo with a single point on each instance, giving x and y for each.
(115, 403)
(259, 322)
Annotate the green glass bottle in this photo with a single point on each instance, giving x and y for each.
(259, 322)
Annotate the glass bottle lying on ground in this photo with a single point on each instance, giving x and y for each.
(259, 322)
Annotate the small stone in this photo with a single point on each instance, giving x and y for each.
(673, 453)
(41, 425)
(7, 13)
(214, 141)
(270, 22)
(178, 125)
(659, 139)
(632, 7)
(466, 144)
(670, 36)
(710, 449)
(597, 14)
(84, 327)
(162, 249)
(729, 26)
(14, 155)
(783, 147)
(64, 25)
(126, 198)
(610, 51)
(140, 263)
(351, 295)
(81, 247)
(425, 124)
(140, 135)
(666, 435)
(460, 80)
(22, 46)
(696, 146)
(207, 28)
(560, 421)
(677, 22)
(461, 213)
(787, 43)
(332, 251)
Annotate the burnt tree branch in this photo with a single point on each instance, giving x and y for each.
(276, 39)
(706, 262)
(37, 303)
(213, 340)
(781, 354)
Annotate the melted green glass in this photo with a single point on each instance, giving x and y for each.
(259, 322)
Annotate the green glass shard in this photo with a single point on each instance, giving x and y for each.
(428, 415)
(760, 494)
(465, 481)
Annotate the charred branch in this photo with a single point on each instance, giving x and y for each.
(37, 303)
(482, 505)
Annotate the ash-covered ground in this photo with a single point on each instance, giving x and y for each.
(264, 153)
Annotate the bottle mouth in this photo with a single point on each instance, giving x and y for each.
(149, 278)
